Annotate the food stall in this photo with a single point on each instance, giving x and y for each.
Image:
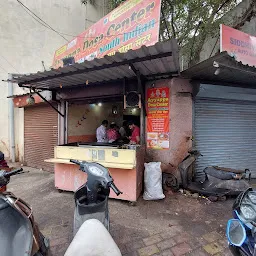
(125, 164)
(88, 93)
(84, 116)
(102, 75)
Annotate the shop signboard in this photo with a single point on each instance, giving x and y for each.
(21, 101)
(158, 104)
(131, 25)
(238, 44)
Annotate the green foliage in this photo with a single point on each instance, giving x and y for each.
(114, 3)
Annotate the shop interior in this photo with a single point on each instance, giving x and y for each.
(85, 116)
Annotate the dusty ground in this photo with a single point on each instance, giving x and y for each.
(177, 225)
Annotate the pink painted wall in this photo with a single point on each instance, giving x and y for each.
(180, 124)
(68, 177)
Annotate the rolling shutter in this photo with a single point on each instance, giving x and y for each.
(41, 135)
(225, 134)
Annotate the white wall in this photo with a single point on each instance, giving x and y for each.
(25, 43)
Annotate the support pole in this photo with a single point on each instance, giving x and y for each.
(43, 98)
(143, 112)
(11, 120)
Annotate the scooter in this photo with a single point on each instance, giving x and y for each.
(241, 231)
(91, 199)
(19, 233)
(217, 182)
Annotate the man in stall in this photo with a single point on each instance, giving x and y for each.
(135, 138)
(112, 133)
(101, 132)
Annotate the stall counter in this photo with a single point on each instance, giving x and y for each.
(125, 165)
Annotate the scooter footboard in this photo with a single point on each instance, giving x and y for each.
(84, 212)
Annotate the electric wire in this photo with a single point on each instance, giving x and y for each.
(3, 69)
(62, 34)
(9, 63)
(41, 20)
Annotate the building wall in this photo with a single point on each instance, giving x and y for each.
(180, 124)
(25, 44)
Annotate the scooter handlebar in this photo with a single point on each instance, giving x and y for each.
(115, 189)
(75, 162)
(11, 173)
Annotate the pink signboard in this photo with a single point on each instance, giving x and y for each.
(131, 25)
(238, 44)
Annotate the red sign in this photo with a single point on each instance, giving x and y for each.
(131, 25)
(22, 100)
(239, 45)
(158, 104)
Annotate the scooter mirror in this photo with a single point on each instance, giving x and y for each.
(235, 232)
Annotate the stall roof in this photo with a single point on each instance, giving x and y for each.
(229, 71)
(159, 60)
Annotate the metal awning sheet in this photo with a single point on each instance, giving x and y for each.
(230, 71)
(160, 59)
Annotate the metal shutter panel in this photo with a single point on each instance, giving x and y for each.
(225, 134)
(41, 135)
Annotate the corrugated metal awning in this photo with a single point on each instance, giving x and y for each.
(160, 60)
(222, 68)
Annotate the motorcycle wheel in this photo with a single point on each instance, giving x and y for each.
(170, 181)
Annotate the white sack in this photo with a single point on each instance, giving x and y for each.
(153, 181)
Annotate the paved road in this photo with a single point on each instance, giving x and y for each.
(177, 225)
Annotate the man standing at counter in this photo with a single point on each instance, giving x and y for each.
(135, 138)
(101, 132)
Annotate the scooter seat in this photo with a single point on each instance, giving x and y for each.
(93, 239)
(15, 232)
(203, 189)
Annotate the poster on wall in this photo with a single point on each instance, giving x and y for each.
(238, 44)
(158, 104)
(131, 25)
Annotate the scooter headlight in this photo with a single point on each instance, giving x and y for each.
(95, 170)
(248, 212)
(247, 208)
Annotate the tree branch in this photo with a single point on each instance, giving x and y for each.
(172, 22)
(222, 5)
(166, 24)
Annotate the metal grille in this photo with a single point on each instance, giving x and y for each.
(41, 135)
(225, 134)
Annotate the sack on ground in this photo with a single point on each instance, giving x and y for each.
(153, 181)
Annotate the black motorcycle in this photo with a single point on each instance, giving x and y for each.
(216, 183)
